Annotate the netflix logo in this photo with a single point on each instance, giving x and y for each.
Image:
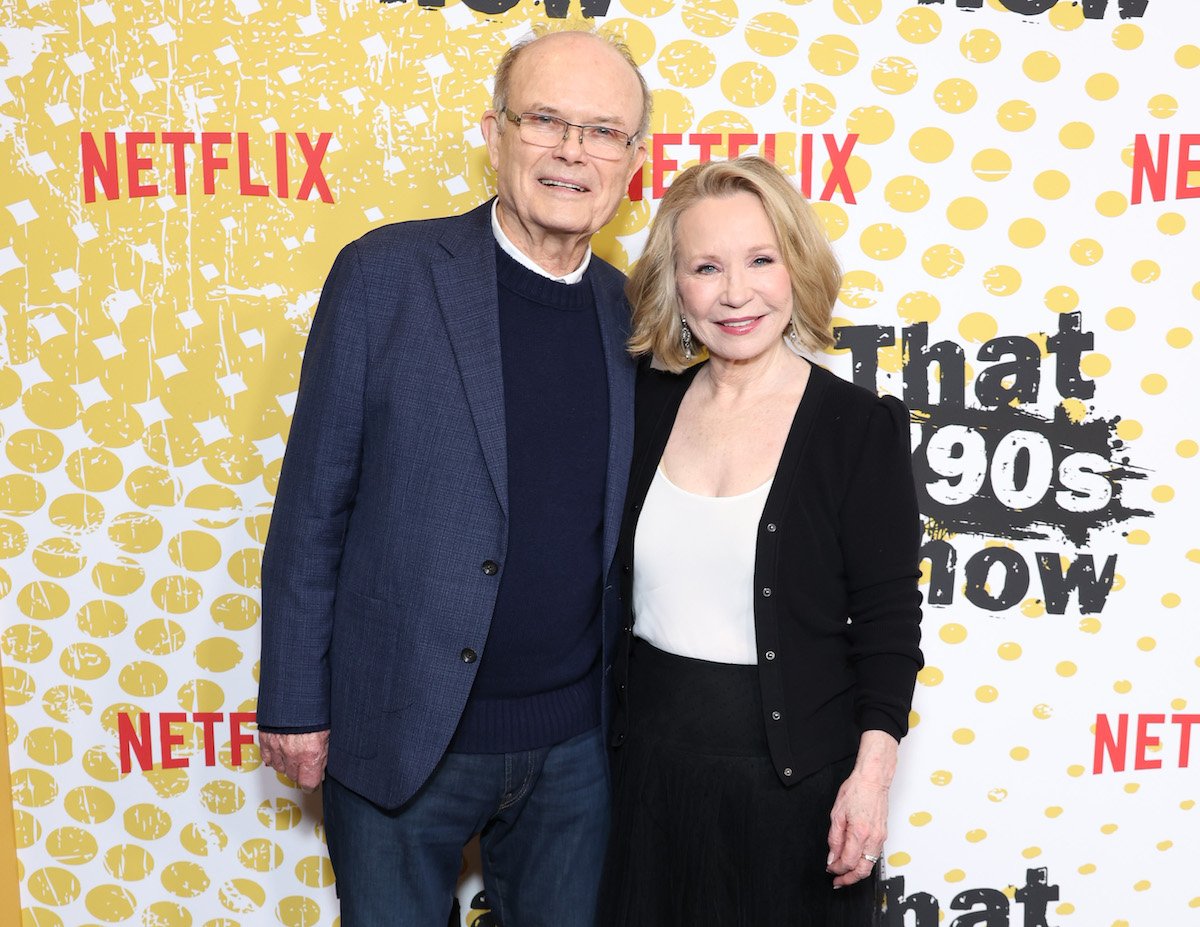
(1114, 743)
(1152, 168)
(667, 148)
(150, 741)
(105, 162)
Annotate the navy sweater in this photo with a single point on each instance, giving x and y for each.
(538, 679)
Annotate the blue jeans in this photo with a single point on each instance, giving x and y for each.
(542, 816)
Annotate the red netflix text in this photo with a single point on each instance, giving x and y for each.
(1152, 168)
(663, 161)
(138, 736)
(1113, 741)
(101, 160)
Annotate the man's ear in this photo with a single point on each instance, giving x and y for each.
(639, 158)
(489, 125)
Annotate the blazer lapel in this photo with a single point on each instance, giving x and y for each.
(465, 285)
(612, 313)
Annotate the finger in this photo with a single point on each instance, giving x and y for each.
(852, 852)
(837, 836)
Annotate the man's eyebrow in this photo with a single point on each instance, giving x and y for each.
(604, 119)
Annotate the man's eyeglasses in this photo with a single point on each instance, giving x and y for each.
(545, 131)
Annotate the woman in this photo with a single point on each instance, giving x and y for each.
(769, 555)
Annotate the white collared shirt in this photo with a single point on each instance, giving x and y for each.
(525, 261)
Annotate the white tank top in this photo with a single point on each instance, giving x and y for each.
(693, 575)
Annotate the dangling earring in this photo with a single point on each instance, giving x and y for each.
(686, 337)
(792, 339)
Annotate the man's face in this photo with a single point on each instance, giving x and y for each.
(564, 190)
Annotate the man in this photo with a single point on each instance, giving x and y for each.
(437, 616)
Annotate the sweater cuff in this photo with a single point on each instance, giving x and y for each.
(306, 729)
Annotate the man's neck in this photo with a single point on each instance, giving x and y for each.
(558, 255)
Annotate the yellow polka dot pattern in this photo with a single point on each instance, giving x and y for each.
(148, 380)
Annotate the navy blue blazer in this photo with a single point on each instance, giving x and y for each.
(389, 532)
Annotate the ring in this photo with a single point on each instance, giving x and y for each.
(871, 859)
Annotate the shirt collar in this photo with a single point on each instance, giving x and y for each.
(524, 260)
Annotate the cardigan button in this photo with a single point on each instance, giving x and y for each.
(775, 716)
(787, 771)
(770, 654)
(766, 592)
(772, 527)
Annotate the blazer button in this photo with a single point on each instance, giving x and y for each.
(771, 527)
(766, 592)
(787, 771)
(770, 654)
(775, 716)
(468, 655)
(491, 567)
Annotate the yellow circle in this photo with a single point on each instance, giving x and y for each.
(986, 694)
(26, 643)
(1066, 16)
(1146, 644)
(859, 289)
(1016, 116)
(1076, 135)
(62, 557)
(34, 450)
(297, 911)
(51, 405)
(1043, 712)
(918, 306)
(1187, 448)
(1066, 668)
(857, 12)
(1138, 536)
(128, 862)
(49, 746)
(686, 63)
(919, 25)
(920, 818)
(1120, 318)
(967, 213)
(21, 495)
(1002, 280)
(222, 797)
(1162, 106)
(942, 261)
(906, 193)
(135, 532)
(635, 35)
(177, 594)
(146, 822)
(1086, 252)
(279, 813)
(894, 75)
(817, 104)
(1041, 66)
(1027, 233)
(1162, 493)
(931, 145)
(930, 676)
(89, 804)
(978, 327)
(882, 241)
(941, 777)
(1102, 86)
(194, 551)
(1145, 271)
(13, 539)
(991, 165)
(1179, 337)
(203, 839)
(259, 854)
(142, 678)
(1171, 600)
(72, 846)
(1112, 203)
(872, 124)
(185, 879)
(235, 612)
(833, 55)
(955, 95)
(1127, 36)
(1154, 384)
(671, 112)
(53, 886)
(963, 736)
(110, 903)
(979, 45)
(1187, 56)
(747, 84)
(43, 600)
(314, 871)
(976, 835)
(1095, 365)
(218, 654)
(709, 18)
(101, 618)
(772, 34)
(1061, 299)
(1171, 223)
(1009, 651)
(952, 633)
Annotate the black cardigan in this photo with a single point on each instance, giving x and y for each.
(836, 608)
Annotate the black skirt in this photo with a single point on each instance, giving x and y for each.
(704, 833)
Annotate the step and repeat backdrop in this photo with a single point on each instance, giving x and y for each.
(1013, 187)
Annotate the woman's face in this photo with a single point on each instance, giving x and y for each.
(734, 289)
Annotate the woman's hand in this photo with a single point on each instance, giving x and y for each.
(858, 825)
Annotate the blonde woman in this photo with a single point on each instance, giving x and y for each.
(769, 555)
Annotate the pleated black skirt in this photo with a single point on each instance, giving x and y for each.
(704, 833)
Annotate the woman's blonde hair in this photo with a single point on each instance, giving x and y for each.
(804, 249)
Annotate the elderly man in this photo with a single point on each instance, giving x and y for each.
(437, 611)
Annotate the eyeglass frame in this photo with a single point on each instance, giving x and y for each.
(515, 119)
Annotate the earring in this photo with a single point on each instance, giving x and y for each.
(686, 337)
(792, 339)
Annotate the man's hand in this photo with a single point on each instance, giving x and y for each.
(300, 757)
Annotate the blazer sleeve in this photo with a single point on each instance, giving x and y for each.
(880, 539)
(317, 487)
